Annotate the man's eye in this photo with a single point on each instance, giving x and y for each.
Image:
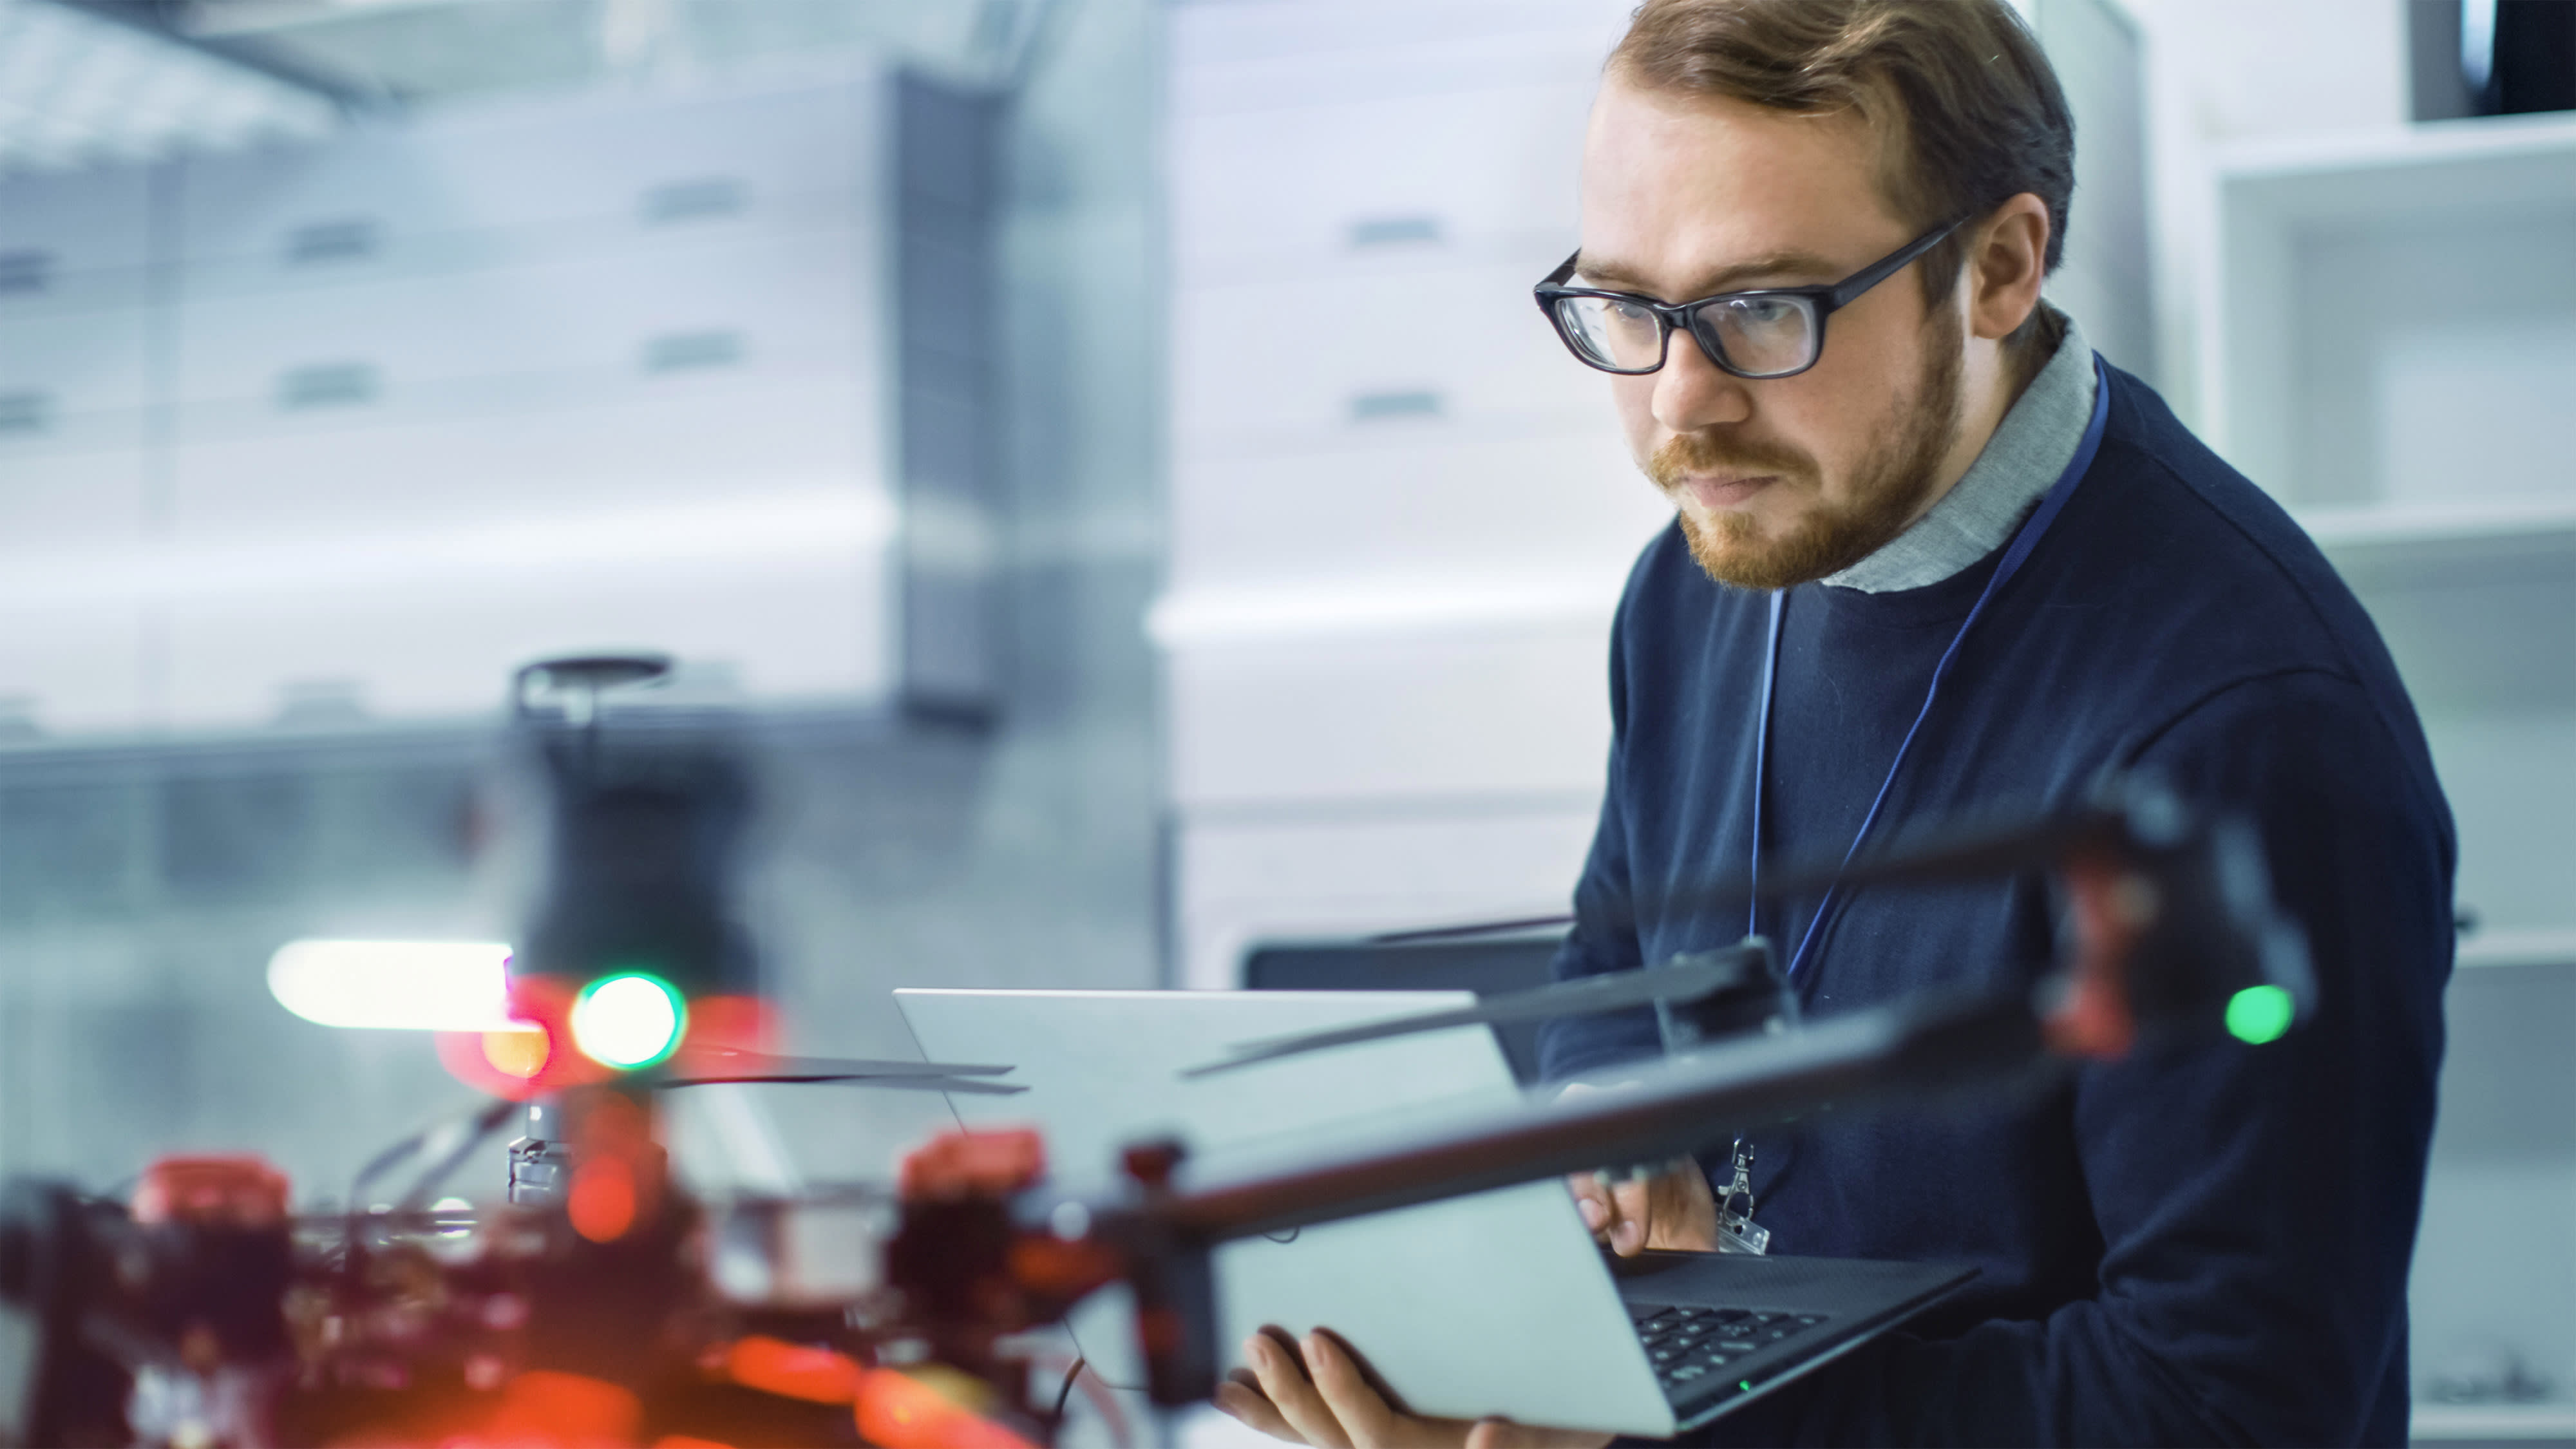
(1758, 312)
(1629, 314)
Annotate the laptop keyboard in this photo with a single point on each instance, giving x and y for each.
(1687, 1345)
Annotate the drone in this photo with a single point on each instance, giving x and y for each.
(603, 1303)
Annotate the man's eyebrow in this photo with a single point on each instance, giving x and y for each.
(1770, 267)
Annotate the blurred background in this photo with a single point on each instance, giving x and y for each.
(1104, 449)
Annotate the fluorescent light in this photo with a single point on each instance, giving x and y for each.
(410, 985)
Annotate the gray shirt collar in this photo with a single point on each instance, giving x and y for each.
(2030, 448)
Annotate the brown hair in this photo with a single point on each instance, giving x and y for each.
(1963, 102)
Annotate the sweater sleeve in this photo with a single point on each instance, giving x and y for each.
(1604, 935)
(2257, 1206)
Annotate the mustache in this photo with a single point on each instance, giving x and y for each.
(1685, 455)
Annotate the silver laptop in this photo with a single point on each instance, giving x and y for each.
(1498, 1303)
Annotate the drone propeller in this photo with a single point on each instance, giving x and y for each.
(1683, 979)
(709, 1067)
(2184, 893)
(1959, 853)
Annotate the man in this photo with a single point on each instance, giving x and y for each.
(1928, 559)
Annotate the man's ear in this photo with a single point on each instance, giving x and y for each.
(2006, 262)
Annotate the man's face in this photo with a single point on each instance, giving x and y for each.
(1785, 479)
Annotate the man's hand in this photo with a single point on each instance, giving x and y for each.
(1326, 1401)
(1672, 1210)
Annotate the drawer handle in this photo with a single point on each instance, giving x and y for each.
(329, 385)
(697, 199)
(1394, 231)
(1379, 407)
(26, 412)
(348, 239)
(686, 351)
(25, 272)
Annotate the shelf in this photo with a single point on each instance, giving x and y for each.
(2451, 1422)
(2395, 542)
(2314, 381)
(2402, 170)
(2547, 947)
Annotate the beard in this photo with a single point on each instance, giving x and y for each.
(1890, 485)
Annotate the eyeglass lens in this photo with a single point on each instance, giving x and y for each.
(1761, 336)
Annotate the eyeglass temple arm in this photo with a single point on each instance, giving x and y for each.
(1858, 282)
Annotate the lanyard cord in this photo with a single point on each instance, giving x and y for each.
(2022, 543)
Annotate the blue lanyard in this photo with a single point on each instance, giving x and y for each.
(2022, 543)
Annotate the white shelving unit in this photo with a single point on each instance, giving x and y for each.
(1400, 514)
(2486, 1423)
(2502, 949)
(2390, 347)
(395, 411)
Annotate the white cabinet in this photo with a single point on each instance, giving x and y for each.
(399, 410)
(2391, 348)
(2394, 313)
(1400, 512)
(503, 181)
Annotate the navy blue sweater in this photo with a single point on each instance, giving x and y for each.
(2208, 1244)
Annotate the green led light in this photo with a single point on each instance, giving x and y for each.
(1747, 1386)
(2259, 1014)
(629, 1020)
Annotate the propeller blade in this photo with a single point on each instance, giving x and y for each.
(729, 1057)
(726, 1065)
(1472, 928)
(1969, 854)
(1942, 856)
(963, 1086)
(1683, 980)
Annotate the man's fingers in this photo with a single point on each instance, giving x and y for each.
(1504, 1434)
(1246, 1403)
(1591, 1199)
(1684, 1215)
(1283, 1383)
(1634, 1216)
(1362, 1412)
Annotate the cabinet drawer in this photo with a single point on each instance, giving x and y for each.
(72, 241)
(775, 305)
(665, 441)
(71, 665)
(1287, 53)
(1507, 711)
(1482, 509)
(72, 380)
(71, 610)
(1463, 172)
(68, 501)
(482, 183)
(423, 629)
(1327, 357)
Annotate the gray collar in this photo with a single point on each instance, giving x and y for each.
(2030, 448)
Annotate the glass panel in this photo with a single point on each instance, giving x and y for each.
(1763, 335)
(1615, 334)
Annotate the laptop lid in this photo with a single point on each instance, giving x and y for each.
(1492, 1304)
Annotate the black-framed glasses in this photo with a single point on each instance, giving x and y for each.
(1771, 332)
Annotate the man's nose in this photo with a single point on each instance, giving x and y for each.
(1691, 393)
